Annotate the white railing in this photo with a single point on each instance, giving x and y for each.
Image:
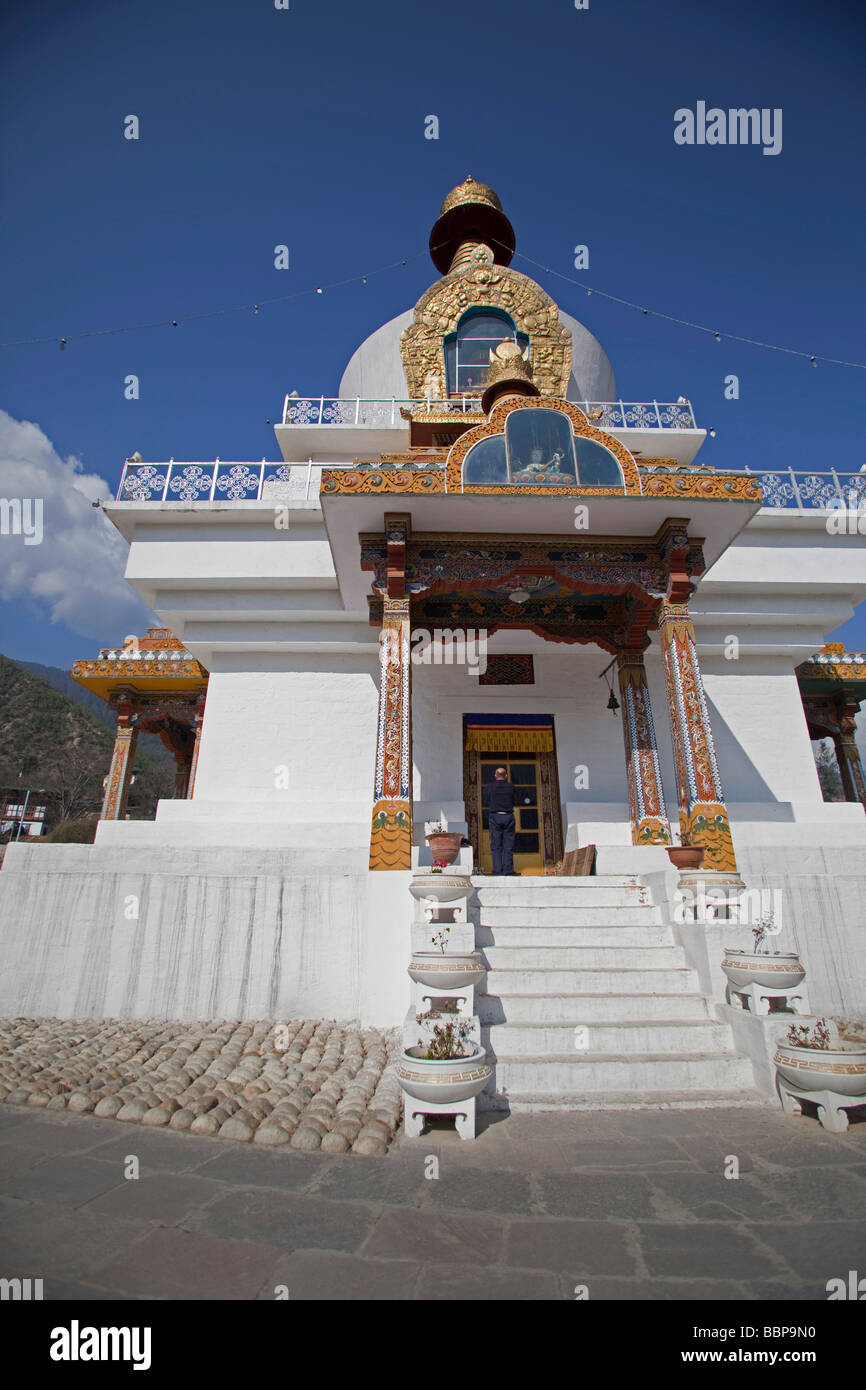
(811, 490)
(276, 482)
(357, 412)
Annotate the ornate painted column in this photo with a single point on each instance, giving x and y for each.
(848, 758)
(649, 817)
(703, 814)
(391, 831)
(198, 719)
(117, 783)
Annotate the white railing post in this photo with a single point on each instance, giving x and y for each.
(167, 477)
(261, 481)
(838, 487)
(393, 403)
(286, 409)
(658, 414)
(796, 490)
(357, 409)
(213, 480)
(309, 477)
(321, 408)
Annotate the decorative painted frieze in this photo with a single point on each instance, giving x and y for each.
(391, 830)
(117, 782)
(702, 810)
(649, 817)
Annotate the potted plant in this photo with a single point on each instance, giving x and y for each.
(761, 966)
(807, 1062)
(442, 969)
(449, 1066)
(687, 854)
(444, 844)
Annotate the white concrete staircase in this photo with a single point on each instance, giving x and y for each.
(589, 1002)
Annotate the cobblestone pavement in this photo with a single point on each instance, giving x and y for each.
(307, 1084)
(630, 1204)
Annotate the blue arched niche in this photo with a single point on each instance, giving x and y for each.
(539, 449)
(467, 352)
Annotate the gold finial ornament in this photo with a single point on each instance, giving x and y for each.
(509, 373)
(470, 192)
(471, 216)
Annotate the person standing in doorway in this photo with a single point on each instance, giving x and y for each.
(501, 801)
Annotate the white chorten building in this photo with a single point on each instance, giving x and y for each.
(473, 554)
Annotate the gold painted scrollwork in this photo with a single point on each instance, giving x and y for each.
(439, 310)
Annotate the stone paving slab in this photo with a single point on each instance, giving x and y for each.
(313, 1275)
(177, 1264)
(631, 1205)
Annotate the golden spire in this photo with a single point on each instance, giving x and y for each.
(471, 219)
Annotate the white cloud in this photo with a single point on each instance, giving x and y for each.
(75, 576)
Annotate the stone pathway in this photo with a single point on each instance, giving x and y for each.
(628, 1204)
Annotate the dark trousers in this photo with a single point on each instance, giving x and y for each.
(502, 841)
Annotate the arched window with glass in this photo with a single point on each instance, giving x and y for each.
(467, 352)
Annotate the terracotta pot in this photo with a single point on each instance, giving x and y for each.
(686, 856)
(445, 845)
(445, 1080)
(817, 1069)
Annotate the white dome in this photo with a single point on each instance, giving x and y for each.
(375, 370)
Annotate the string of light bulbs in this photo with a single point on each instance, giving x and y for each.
(812, 357)
(215, 313)
(254, 307)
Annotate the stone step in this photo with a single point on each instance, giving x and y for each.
(518, 1103)
(551, 916)
(552, 881)
(508, 983)
(584, 894)
(618, 1038)
(637, 958)
(592, 1008)
(574, 936)
(584, 1074)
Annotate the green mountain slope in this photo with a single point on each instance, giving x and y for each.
(149, 747)
(48, 740)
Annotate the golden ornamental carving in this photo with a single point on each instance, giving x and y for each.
(439, 310)
(496, 424)
(366, 480)
(469, 191)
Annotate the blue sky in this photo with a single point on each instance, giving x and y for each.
(305, 126)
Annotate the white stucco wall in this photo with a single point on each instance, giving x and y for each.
(375, 369)
(314, 715)
(219, 933)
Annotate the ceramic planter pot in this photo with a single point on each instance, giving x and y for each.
(444, 1080)
(449, 971)
(445, 845)
(446, 887)
(783, 971)
(811, 1069)
(686, 856)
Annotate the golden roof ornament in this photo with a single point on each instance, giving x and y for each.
(509, 373)
(470, 192)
